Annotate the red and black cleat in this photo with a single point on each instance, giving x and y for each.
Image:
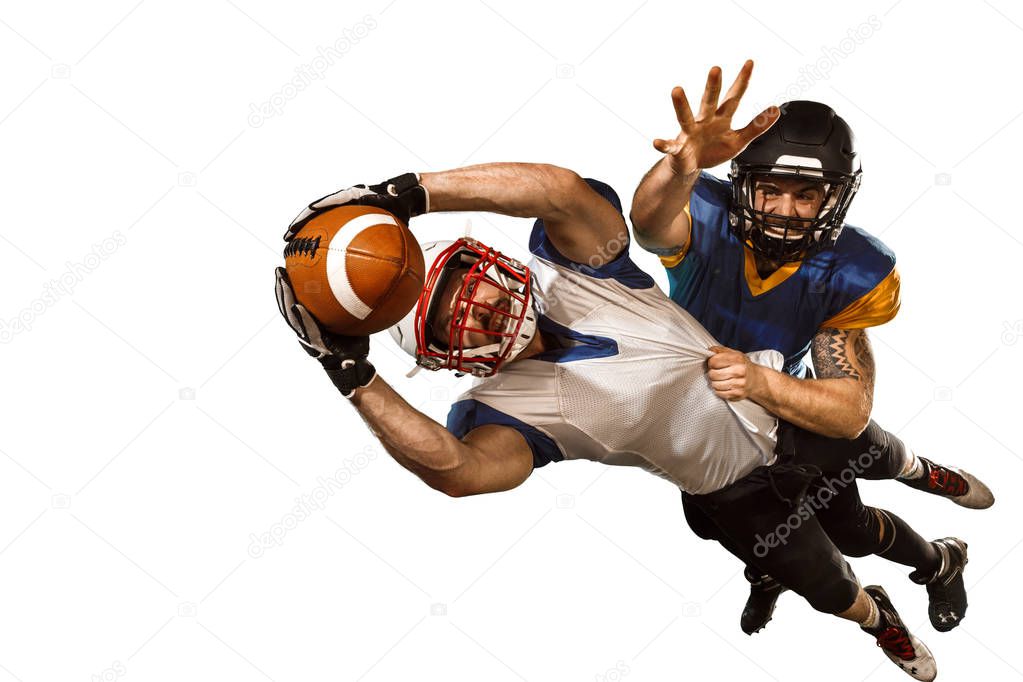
(898, 643)
(961, 487)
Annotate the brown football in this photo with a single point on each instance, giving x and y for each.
(357, 269)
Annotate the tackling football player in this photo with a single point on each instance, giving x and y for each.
(765, 260)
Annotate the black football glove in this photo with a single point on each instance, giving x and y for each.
(343, 357)
(401, 196)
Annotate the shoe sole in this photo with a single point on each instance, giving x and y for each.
(935, 620)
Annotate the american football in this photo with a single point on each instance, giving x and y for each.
(357, 269)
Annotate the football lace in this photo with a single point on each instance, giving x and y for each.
(304, 246)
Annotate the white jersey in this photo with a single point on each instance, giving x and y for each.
(630, 385)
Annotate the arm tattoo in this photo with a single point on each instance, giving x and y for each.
(829, 354)
(865, 358)
(841, 353)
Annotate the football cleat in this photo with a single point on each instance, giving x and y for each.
(961, 487)
(946, 592)
(763, 595)
(899, 645)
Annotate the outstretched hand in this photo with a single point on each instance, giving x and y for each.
(708, 139)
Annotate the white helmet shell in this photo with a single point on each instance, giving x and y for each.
(404, 333)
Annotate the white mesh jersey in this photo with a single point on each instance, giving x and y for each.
(629, 389)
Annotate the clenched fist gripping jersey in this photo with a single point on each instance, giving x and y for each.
(628, 385)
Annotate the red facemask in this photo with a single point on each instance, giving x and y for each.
(505, 325)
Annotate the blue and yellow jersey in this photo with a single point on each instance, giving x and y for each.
(852, 285)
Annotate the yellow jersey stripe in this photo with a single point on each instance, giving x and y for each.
(878, 306)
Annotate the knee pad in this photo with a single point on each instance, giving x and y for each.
(828, 589)
(834, 595)
(858, 539)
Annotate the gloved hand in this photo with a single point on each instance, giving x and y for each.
(401, 196)
(343, 357)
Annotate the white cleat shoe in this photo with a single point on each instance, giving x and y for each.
(900, 646)
(960, 486)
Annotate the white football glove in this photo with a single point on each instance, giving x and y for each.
(350, 195)
(402, 196)
(343, 357)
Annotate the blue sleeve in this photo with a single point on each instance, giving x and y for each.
(712, 190)
(466, 415)
(621, 269)
(708, 208)
(864, 268)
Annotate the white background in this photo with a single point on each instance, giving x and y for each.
(157, 415)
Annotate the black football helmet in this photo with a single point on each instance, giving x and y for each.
(809, 141)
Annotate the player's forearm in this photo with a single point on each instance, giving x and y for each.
(524, 190)
(657, 206)
(417, 442)
(837, 408)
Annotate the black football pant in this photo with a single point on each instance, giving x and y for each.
(834, 500)
(764, 520)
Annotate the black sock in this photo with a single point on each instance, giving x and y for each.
(903, 545)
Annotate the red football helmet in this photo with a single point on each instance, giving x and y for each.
(473, 324)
